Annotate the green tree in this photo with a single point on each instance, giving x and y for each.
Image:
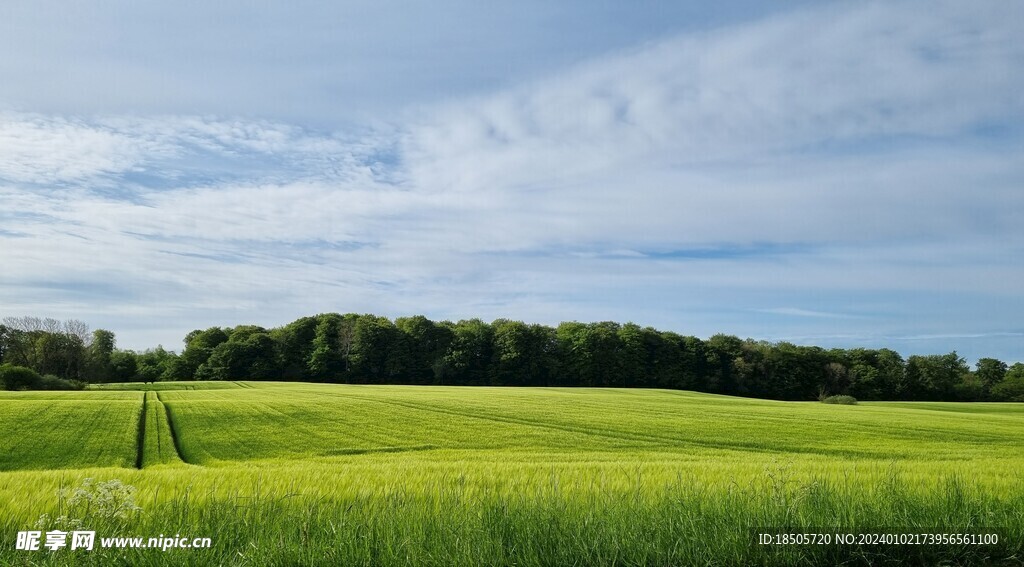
(98, 356)
(332, 344)
(248, 354)
(990, 371)
(469, 353)
(59, 354)
(424, 345)
(294, 343)
(864, 373)
(1011, 387)
(631, 369)
(154, 365)
(589, 353)
(199, 345)
(375, 355)
(124, 366)
(935, 377)
(5, 338)
(721, 352)
(522, 355)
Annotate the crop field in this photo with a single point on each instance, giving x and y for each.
(293, 473)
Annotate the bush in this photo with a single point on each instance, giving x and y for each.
(51, 382)
(844, 400)
(19, 378)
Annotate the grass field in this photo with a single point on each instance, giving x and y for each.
(279, 473)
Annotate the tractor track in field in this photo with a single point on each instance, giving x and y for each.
(170, 428)
(610, 433)
(141, 441)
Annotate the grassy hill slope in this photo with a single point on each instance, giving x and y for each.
(278, 472)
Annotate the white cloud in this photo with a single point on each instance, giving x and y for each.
(828, 76)
(58, 151)
(47, 150)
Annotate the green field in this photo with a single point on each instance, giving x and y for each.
(282, 473)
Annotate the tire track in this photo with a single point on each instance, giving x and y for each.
(171, 429)
(608, 433)
(140, 444)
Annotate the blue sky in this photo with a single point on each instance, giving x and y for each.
(841, 174)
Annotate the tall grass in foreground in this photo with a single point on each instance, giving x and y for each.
(444, 523)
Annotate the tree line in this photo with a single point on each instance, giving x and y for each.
(370, 349)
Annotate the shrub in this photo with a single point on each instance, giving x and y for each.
(844, 400)
(19, 378)
(51, 382)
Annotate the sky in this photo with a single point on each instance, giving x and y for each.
(846, 174)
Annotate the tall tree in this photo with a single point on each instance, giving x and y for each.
(155, 364)
(199, 345)
(423, 344)
(247, 355)
(990, 371)
(1011, 387)
(294, 343)
(936, 376)
(722, 351)
(375, 356)
(123, 366)
(328, 359)
(469, 353)
(99, 353)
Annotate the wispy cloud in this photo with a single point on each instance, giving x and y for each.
(800, 312)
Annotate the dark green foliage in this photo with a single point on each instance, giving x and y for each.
(51, 382)
(5, 334)
(67, 355)
(423, 346)
(294, 343)
(841, 400)
(199, 346)
(154, 365)
(523, 355)
(370, 349)
(376, 355)
(47, 346)
(468, 355)
(331, 346)
(124, 366)
(19, 378)
(970, 388)
(98, 355)
(248, 354)
(590, 354)
(722, 353)
(873, 374)
(990, 372)
(1011, 388)
(935, 377)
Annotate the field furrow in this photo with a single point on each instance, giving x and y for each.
(159, 445)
